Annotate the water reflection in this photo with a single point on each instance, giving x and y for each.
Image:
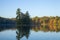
(46, 28)
(22, 31)
(25, 30)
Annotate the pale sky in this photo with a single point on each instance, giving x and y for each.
(35, 7)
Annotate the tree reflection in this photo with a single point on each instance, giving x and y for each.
(23, 31)
(46, 28)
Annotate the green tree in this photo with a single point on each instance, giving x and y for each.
(27, 17)
(18, 17)
(21, 18)
(18, 13)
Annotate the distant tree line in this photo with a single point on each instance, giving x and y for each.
(6, 23)
(48, 23)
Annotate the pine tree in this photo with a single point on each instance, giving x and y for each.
(18, 17)
(27, 17)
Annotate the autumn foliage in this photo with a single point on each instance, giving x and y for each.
(47, 23)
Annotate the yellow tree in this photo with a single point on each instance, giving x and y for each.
(59, 24)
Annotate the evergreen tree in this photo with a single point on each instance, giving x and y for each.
(18, 17)
(21, 18)
(27, 17)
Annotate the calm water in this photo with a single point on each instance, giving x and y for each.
(33, 35)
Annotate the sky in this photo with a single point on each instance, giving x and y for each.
(38, 8)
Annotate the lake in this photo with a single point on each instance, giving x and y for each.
(11, 34)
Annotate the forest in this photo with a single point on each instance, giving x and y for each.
(37, 23)
(47, 23)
